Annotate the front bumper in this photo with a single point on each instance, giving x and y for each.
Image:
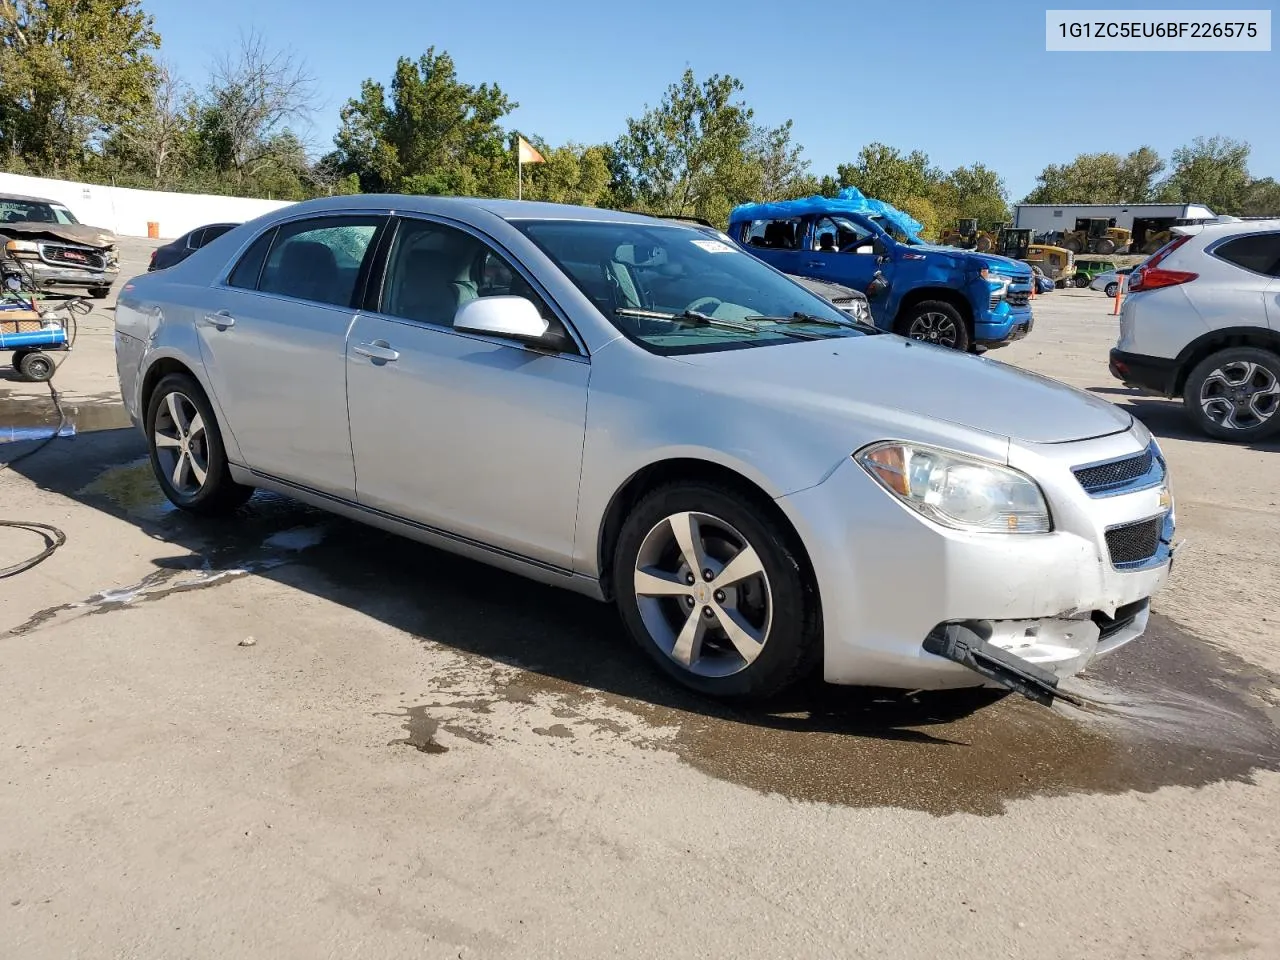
(46, 275)
(888, 578)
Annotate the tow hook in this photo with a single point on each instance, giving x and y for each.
(961, 643)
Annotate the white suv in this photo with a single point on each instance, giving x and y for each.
(1201, 321)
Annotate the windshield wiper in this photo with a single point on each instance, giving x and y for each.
(799, 317)
(691, 317)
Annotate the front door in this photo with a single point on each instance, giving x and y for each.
(273, 341)
(473, 435)
(840, 250)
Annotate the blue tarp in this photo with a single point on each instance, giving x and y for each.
(848, 200)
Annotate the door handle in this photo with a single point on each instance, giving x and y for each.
(221, 319)
(379, 351)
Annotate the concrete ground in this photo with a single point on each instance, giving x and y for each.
(291, 736)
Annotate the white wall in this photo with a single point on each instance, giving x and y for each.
(126, 212)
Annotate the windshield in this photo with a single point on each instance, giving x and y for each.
(895, 231)
(678, 279)
(24, 211)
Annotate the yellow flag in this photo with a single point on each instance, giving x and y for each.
(528, 154)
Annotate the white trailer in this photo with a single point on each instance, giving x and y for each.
(1145, 220)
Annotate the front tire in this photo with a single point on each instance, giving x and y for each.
(936, 322)
(99, 293)
(1111, 289)
(186, 449)
(712, 589)
(1234, 394)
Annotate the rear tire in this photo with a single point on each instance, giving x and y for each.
(682, 620)
(186, 449)
(99, 293)
(1111, 289)
(1105, 245)
(1234, 394)
(936, 322)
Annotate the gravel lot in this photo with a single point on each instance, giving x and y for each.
(296, 737)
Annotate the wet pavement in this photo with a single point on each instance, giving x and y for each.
(25, 418)
(1168, 710)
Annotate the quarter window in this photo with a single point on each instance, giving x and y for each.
(318, 259)
(245, 275)
(1259, 252)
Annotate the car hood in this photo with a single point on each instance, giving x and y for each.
(891, 376)
(70, 232)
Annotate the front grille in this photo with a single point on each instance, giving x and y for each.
(1108, 627)
(73, 256)
(1018, 298)
(1134, 542)
(1117, 473)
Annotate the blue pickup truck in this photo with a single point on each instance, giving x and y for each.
(944, 295)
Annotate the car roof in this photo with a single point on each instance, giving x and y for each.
(505, 209)
(25, 199)
(1228, 225)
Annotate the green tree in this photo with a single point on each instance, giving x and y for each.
(696, 153)
(1099, 178)
(571, 174)
(430, 134)
(885, 173)
(783, 170)
(1261, 199)
(70, 71)
(1210, 170)
(973, 191)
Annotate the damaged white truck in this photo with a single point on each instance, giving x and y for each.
(46, 247)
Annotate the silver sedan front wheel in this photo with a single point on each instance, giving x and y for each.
(182, 445)
(713, 585)
(703, 594)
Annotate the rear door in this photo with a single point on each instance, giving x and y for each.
(273, 340)
(1257, 255)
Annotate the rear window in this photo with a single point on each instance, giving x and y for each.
(1259, 252)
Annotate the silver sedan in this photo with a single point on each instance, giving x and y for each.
(638, 411)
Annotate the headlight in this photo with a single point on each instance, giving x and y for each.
(23, 245)
(958, 491)
(862, 310)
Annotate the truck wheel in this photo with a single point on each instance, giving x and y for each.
(36, 366)
(99, 293)
(1072, 244)
(1234, 394)
(934, 321)
(1105, 245)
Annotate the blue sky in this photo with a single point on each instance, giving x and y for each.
(963, 81)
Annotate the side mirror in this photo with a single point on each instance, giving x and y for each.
(877, 286)
(514, 317)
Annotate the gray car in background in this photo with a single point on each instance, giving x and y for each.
(643, 413)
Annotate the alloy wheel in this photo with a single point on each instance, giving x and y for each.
(1240, 395)
(182, 445)
(703, 594)
(934, 328)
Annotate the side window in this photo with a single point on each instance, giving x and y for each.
(433, 269)
(774, 234)
(213, 233)
(319, 259)
(836, 234)
(1259, 252)
(245, 274)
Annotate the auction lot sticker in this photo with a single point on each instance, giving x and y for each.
(1133, 31)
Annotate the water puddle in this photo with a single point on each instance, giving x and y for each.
(1167, 710)
(35, 417)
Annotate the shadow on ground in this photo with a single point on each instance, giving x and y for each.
(1168, 710)
(1166, 418)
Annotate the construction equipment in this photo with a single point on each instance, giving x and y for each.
(963, 235)
(1097, 235)
(1056, 263)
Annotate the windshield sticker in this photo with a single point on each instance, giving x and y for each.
(713, 246)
